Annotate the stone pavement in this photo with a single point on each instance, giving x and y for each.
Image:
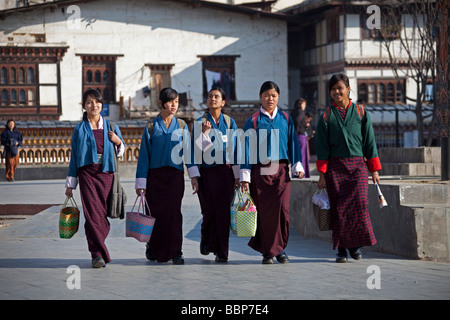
(36, 264)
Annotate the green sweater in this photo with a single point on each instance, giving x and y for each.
(353, 136)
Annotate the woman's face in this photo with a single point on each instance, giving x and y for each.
(11, 125)
(215, 100)
(170, 107)
(92, 106)
(339, 92)
(269, 99)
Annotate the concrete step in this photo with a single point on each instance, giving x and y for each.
(411, 169)
(410, 155)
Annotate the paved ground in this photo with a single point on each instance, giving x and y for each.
(36, 264)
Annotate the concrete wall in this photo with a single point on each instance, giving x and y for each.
(415, 224)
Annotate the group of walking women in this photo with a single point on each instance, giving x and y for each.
(345, 149)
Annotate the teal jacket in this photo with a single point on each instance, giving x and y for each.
(84, 148)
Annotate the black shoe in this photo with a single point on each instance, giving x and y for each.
(204, 248)
(98, 262)
(149, 253)
(355, 253)
(221, 259)
(178, 259)
(267, 260)
(341, 255)
(282, 258)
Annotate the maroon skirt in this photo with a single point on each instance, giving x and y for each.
(271, 196)
(165, 191)
(216, 189)
(347, 186)
(95, 189)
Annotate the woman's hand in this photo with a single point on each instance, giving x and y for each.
(194, 184)
(206, 127)
(299, 174)
(375, 177)
(69, 192)
(114, 138)
(321, 183)
(244, 187)
(236, 183)
(140, 192)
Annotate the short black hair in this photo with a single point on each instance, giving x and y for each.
(167, 94)
(268, 85)
(336, 78)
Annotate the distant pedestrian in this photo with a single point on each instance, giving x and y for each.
(269, 182)
(218, 178)
(94, 146)
(161, 177)
(298, 115)
(11, 139)
(344, 139)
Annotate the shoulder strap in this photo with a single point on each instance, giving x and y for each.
(326, 114)
(150, 126)
(255, 118)
(286, 115)
(227, 120)
(112, 125)
(361, 111)
(181, 123)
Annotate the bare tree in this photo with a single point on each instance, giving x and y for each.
(407, 33)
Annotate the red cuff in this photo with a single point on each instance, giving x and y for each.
(374, 164)
(322, 165)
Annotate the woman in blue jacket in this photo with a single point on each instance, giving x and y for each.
(160, 175)
(11, 139)
(93, 148)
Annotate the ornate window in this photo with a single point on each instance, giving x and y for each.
(381, 91)
(99, 72)
(24, 73)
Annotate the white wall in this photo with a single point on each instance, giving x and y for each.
(158, 32)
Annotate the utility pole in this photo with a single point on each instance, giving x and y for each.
(443, 85)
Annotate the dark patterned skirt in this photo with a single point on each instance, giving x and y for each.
(216, 189)
(95, 189)
(271, 196)
(347, 186)
(164, 193)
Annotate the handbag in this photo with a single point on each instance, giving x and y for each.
(139, 225)
(69, 219)
(118, 199)
(246, 217)
(233, 210)
(321, 210)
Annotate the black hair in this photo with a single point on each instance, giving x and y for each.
(7, 122)
(166, 95)
(222, 93)
(299, 102)
(92, 92)
(268, 85)
(336, 78)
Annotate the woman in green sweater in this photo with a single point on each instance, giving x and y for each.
(346, 149)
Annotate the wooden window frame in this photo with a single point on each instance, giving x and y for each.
(392, 88)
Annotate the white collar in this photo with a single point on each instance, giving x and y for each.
(100, 123)
(271, 117)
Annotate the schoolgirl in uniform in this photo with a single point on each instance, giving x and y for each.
(93, 148)
(218, 177)
(269, 183)
(346, 148)
(160, 175)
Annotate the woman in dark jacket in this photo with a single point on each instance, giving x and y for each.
(11, 139)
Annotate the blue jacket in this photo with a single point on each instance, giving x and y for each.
(84, 148)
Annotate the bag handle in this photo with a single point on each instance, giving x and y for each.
(72, 201)
(249, 197)
(237, 190)
(142, 199)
